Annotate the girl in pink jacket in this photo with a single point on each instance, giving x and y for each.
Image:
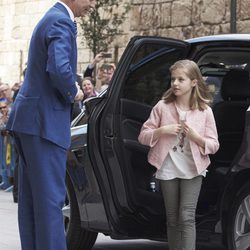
(181, 132)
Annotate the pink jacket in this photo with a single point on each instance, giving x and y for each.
(201, 121)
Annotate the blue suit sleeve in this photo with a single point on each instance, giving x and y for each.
(61, 40)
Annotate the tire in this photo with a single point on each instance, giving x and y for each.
(77, 237)
(238, 227)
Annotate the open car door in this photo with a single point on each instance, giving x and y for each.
(119, 161)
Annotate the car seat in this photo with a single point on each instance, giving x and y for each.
(230, 116)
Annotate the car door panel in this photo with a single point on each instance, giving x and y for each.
(124, 159)
(134, 115)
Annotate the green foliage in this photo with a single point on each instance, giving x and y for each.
(104, 23)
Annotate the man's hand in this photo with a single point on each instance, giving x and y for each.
(79, 94)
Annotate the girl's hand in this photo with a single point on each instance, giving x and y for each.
(172, 129)
(193, 135)
(189, 132)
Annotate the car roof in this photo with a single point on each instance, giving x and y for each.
(225, 37)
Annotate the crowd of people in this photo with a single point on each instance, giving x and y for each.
(96, 78)
(8, 154)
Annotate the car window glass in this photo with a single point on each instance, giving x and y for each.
(149, 76)
(216, 64)
(147, 51)
(214, 85)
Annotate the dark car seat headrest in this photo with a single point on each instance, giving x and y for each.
(236, 85)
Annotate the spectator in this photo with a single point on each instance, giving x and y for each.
(107, 74)
(5, 92)
(88, 88)
(90, 68)
(15, 88)
(104, 72)
(4, 141)
(4, 110)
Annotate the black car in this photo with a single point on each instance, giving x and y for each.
(110, 185)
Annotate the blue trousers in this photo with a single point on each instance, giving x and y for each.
(42, 169)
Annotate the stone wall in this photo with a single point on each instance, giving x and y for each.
(17, 20)
(180, 19)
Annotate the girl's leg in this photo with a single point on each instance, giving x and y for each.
(170, 192)
(189, 193)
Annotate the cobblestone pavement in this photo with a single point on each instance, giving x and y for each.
(9, 236)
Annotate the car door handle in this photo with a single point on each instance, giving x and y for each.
(109, 136)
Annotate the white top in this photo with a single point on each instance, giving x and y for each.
(179, 162)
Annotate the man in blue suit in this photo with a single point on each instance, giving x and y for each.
(40, 123)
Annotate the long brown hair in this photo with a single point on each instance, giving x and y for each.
(200, 96)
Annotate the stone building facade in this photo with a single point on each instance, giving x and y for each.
(180, 19)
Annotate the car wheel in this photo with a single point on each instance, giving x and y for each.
(77, 237)
(238, 228)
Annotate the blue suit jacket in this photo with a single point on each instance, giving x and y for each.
(43, 104)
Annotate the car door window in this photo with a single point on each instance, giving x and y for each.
(149, 75)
